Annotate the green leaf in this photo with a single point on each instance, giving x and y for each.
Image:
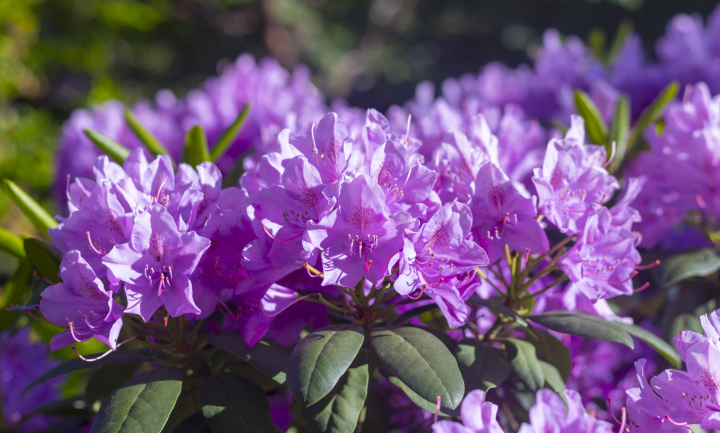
(550, 349)
(583, 325)
(267, 356)
(619, 131)
(422, 362)
(498, 308)
(193, 424)
(624, 30)
(12, 244)
(226, 139)
(196, 148)
(653, 112)
(233, 404)
(596, 42)
(116, 151)
(409, 314)
(664, 348)
(142, 404)
(421, 402)
(524, 362)
(680, 267)
(44, 258)
(595, 126)
(482, 366)
(319, 360)
(552, 377)
(338, 412)
(151, 143)
(14, 292)
(106, 380)
(118, 357)
(29, 207)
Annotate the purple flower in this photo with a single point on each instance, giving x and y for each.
(81, 303)
(156, 264)
(478, 416)
(549, 415)
(328, 147)
(359, 239)
(440, 250)
(602, 262)
(572, 180)
(502, 216)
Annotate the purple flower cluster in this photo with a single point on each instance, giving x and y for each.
(674, 399)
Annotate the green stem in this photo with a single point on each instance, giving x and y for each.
(553, 284)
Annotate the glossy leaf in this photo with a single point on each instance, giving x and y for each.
(422, 362)
(583, 325)
(196, 148)
(12, 244)
(29, 207)
(142, 404)
(230, 134)
(338, 412)
(116, 151)
(233, 404)
(267, 356)
(14, 292)
(146, 137)
(498, 308)
(421, 402)
(524, 362)
(44, 258)
(552, 376)
(319, 360)
(653, 112)
(680, 267)
(482, 366)
(118, 357)
(664, 348)
(193, 424)
(595, 126)
(550, 349)
(107, 379)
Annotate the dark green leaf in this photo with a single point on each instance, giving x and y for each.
(552, 377)
(583, 325)
(193, 424)
(595, 126)
(653, 112)
(482, 366)
(14, 292)
(422, 362)
(230, 134)
(106, 380)
(118, 357)
(596, 42)
(142, 404)
(44, 258)
(188, 402)
(525, 364)
(338, 411)
(619, 131)
(680, 267)
(29, 207)
(196, 148)
(11, 244)
(421, 402)
(267, 356)
(404, 317)
(664, 348)
(550, 349)
(498, 308)
(319, 360)
(151, 143)
(116, 151)
(233, 404)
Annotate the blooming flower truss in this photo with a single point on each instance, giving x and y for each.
(451, 265)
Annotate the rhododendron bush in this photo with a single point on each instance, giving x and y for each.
(533, 250)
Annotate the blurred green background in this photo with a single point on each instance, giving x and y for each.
(59, 55)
